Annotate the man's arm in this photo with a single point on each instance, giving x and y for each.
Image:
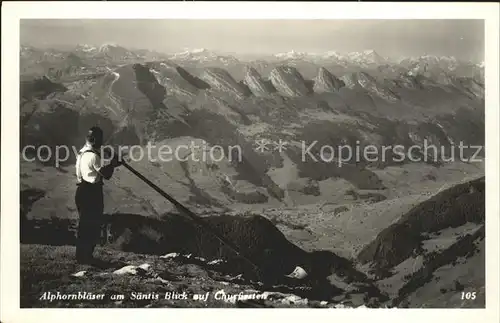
(105, 171)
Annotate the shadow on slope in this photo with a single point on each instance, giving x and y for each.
(216, 130)
(42, 127)
(193, 80)
(39, 88)
(466, 247)
(451, 208)
(256, 236)
(318, 163)
(258, 239)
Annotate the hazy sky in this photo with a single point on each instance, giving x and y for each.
(463, 39)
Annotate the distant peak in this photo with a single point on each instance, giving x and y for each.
(85, 48)
(291, 54)
(198, 50)
(109, 46)
(193, 51)
(112, 44)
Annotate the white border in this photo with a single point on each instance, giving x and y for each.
(13, 11)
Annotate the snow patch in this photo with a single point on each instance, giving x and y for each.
(170, 255)
(79, 274)
(132, 270)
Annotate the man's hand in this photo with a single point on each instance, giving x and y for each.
(116, 161)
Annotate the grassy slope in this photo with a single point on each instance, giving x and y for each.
(51, 269)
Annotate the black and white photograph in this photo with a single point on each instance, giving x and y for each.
(252, 163)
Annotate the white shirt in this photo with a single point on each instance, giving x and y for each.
(88, 165)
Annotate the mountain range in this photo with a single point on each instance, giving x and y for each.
(203, 98)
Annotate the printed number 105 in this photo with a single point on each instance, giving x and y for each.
(469, 295)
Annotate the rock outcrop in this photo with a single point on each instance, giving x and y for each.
(471, 85)
(434, 73)
(168, 76)
(370, 84)
(350, 81)
(288, 81)
(221, 80)
(326, 81)
(409, 81)
(257, 85)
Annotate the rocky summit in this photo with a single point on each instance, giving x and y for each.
(288, 81)
(257, 85)
(220, 79)
(327, 82)
(176, 82)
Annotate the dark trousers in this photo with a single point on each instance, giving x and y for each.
(90, 204)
